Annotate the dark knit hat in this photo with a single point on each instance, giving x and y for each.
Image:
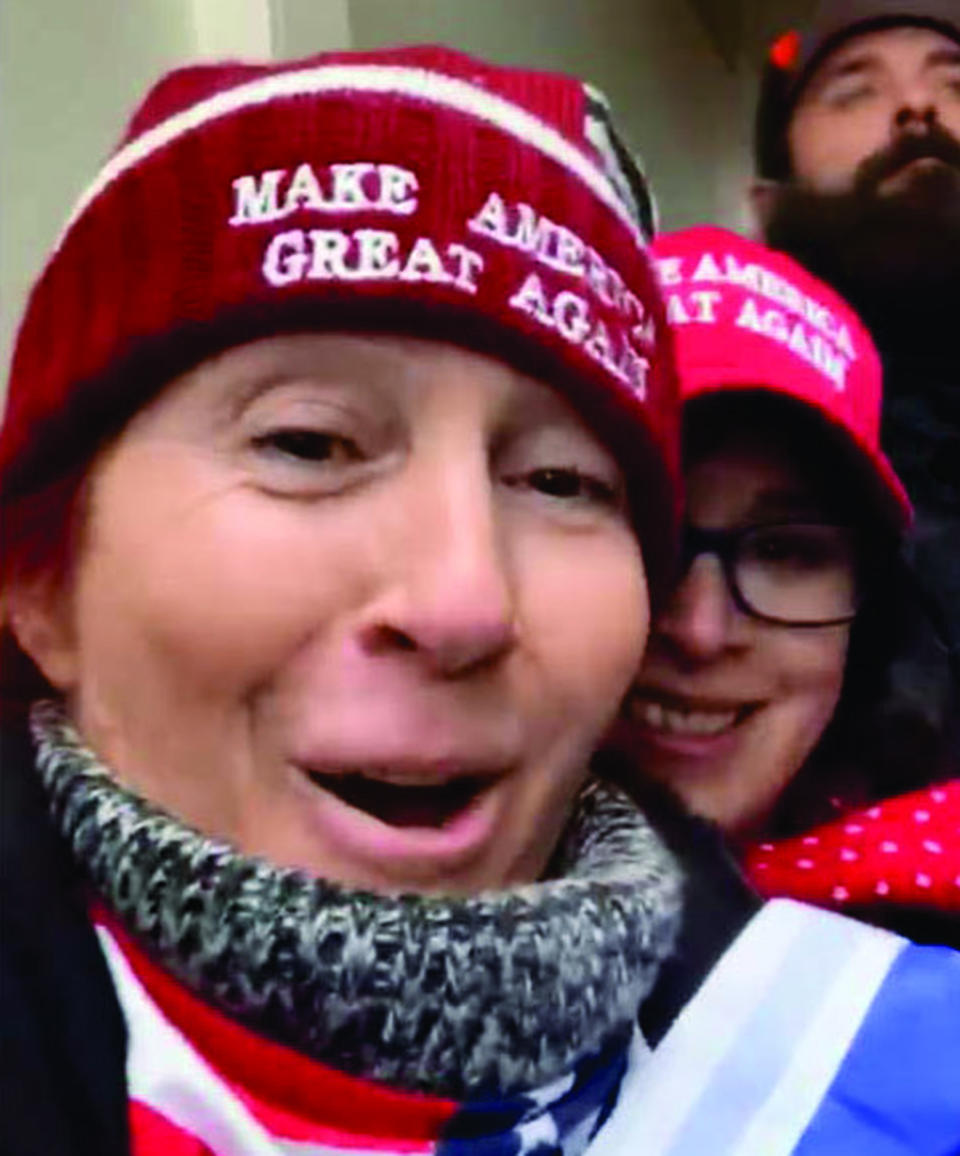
(406, 190)
(794, 56)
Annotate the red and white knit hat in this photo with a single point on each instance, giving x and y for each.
(747, 318)
(412, 190)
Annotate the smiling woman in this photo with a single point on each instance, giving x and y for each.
(760, 701)
(747, 665)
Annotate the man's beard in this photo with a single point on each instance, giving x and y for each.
(894, 255)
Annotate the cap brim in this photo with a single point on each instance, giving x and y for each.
(882, 487)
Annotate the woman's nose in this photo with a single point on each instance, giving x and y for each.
(448, 596)
(699, 620)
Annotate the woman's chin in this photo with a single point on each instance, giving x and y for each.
(720, 776)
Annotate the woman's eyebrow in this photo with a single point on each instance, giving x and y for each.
(241, 394)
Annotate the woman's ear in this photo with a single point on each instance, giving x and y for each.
(37, 612)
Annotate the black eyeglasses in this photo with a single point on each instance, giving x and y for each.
(787, 573)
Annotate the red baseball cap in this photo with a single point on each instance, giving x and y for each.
(747, 318)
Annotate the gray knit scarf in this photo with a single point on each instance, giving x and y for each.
(470, 998)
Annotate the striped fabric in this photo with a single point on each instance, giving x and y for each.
(202, 1085)
(814, 1035)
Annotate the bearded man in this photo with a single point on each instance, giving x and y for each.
(858, 165)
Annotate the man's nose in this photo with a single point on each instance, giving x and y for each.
(448, 594)
(916, 114)
(700, 620)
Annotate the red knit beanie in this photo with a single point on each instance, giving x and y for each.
(410, 190)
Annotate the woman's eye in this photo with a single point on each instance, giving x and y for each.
(569, 484)
(309, 446)
(784, 548)
(809, 548)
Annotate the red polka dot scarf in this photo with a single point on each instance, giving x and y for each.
(904, 850)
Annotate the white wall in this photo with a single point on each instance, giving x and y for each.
(70, 73)
(301, 27)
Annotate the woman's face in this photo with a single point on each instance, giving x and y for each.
(358, 604)
(727, 708)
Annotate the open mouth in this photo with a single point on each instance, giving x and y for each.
(396, 824)
(401, 804)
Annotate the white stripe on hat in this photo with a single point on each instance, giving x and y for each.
(416, 83)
